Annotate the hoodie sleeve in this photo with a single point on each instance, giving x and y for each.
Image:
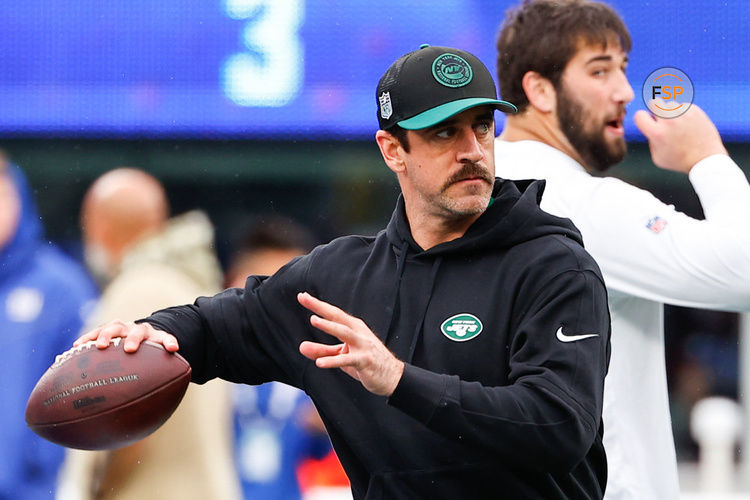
(244, 335)
(548, 415)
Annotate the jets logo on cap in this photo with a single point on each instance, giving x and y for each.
(461, 327)
(452, 70)
(386, 109)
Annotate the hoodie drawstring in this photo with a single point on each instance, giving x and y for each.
(418, 331)
(399, 275)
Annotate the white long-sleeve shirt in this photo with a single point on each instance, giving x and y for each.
(649, 254)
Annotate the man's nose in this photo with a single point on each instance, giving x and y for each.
(469, 150)
(623, 91)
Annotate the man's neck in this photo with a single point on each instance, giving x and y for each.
(534, 126)
(430, 230)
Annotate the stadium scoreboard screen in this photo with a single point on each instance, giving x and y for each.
(299, 69)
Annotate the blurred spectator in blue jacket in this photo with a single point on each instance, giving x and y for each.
(43, 296)
(276, 426)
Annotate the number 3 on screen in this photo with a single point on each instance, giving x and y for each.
(270, 73)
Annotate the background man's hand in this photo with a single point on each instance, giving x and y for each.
(133, 333)
(679, 143)
(361, 355)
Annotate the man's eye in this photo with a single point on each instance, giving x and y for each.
(445, 133)
(483, 128)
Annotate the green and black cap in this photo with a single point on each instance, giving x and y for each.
(429, 85)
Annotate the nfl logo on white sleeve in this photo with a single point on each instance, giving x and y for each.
(656, 224)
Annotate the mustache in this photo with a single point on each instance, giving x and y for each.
(622, 112)
(470, 171)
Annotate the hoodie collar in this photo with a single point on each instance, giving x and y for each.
(514, 217)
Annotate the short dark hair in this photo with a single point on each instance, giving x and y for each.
(544, 35)
(267, 232)
(400, 134)
(277, 232)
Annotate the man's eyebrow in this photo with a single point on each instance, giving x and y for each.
(444, 123)
(605, 58)
(452, 121)
(601, 58)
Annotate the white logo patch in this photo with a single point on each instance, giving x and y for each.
(572, 338)
(23, 305)
(386, 109)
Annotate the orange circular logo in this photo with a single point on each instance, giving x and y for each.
(668, 92)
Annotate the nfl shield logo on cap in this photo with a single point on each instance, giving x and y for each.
(386, 110)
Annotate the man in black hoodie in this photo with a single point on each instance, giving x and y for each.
(471, 335)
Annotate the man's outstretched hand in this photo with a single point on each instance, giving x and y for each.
(133, 333)
(361, 354)
(679, 143)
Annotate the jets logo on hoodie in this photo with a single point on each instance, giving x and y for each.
(461, 327)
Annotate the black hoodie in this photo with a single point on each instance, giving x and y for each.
(505, 336)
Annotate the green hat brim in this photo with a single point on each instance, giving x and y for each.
(444, 111)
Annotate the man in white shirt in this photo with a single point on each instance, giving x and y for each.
(562, 62)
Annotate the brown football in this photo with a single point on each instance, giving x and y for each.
(96, 399)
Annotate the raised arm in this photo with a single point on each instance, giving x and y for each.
(648, 249)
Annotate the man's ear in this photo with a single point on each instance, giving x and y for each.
(391, 149)
(539, 91)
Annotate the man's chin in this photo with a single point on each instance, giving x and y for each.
(464, 206)
(607, 156)
(617, 153)
(618, 146)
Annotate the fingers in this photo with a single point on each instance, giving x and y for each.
(341, 332)
(144, 331)
(646, 123)
(338, 361)
(328, 356)
(324, 309)
(169, 341)
(134, 335)
(109, 331)
(682, 140)
(314, 350)
(331, 319)
(88, 336)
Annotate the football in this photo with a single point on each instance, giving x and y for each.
(96, 399)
